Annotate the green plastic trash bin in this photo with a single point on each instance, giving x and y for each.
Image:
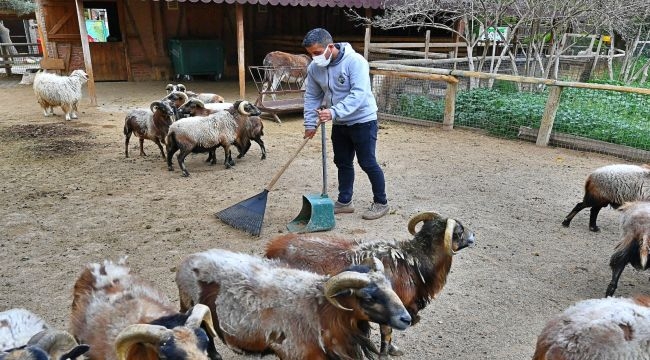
(196, 57)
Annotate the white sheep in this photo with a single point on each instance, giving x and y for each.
(612, 185)
(598, 329)
(18, 326)
(200, 134)
(65, 91)
(635, 241)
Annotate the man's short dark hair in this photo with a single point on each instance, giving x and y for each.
(318, 36)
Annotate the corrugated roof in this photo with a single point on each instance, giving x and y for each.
(363, 4)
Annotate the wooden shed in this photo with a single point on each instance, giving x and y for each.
(139, 31)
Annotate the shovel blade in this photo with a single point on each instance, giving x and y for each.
(317, 214)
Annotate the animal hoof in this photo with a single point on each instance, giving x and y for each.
(263, 156)
(240, 156)
(185, 174)
(594, 228)
(566, 223)
(394, 351)
(170, 168)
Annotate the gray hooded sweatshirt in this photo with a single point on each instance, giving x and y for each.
(343, 86)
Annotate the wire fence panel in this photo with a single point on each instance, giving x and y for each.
(603, 121)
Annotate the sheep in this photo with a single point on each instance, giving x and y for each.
(172, 88)
(612, 185)
(199, 134)
(177, 99)
(123, 317)
(635, 241)
(598, 329)
(151, 124)
(261, 306)
(252, 126)
(281, 67)
(204, 97)
(65, 91)
(26, 336)
(418, 268)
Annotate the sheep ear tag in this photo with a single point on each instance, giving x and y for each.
(317, 213)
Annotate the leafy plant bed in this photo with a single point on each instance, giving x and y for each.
(618, 118)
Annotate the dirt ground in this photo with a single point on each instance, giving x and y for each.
(69, 197)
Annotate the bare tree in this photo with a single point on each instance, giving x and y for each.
(537, 28)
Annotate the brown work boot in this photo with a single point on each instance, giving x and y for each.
(341, 208)
(376, 211)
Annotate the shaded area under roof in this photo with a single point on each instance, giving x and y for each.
(363, 4)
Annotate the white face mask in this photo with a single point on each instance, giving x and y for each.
(320, 60)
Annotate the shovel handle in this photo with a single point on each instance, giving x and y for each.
(285, 166)
(324, 155)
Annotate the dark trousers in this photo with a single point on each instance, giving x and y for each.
(359, 140)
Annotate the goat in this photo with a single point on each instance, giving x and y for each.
(635, 241)
(598, 329)
(284, 67)
(200, 134)
(26, 336)
(418, 268)
(122, 317)
(65, 91)
(612, 185)
(151, 124)
(261, 306)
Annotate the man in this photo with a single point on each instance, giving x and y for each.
(338, 90)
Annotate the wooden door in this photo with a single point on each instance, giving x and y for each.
(109, 62)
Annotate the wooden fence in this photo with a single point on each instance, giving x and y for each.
(29, 58)
(543, 135)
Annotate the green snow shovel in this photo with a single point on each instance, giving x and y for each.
(317, 213)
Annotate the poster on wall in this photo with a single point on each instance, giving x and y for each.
(97, 31)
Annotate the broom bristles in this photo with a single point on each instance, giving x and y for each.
(246, 215)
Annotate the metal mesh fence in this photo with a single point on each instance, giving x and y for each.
(601, 121)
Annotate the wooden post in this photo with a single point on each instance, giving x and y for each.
(239, 10)
(427, 39)
(39, 27)
(546, 125)
(366, 38)
(86, 51)
(450, 106)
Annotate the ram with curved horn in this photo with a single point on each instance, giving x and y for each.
(26, 336)
(123, 317)
(151, 124)
(200, 134)
(261, 306)
(417, 268)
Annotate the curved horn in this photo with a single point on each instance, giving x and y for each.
(374, 264)
(155, 104)
(201, 314)
(242, 108)
(199, 102)
(341, 281)
(181, 87)
(53, 342)
(183, 95)
(449, 234)
(169, 88)
(139, 333)
(423, 216)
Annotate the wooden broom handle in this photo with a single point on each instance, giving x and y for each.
(279, 173)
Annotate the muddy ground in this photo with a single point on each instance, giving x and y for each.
(69, 197)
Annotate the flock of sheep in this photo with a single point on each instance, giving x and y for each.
(312, 296)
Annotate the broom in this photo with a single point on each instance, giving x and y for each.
(248, 215)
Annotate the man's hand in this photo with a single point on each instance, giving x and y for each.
(309, 133)
(324, 115)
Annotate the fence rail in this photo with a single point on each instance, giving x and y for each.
(18, 57)
(543, 133)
